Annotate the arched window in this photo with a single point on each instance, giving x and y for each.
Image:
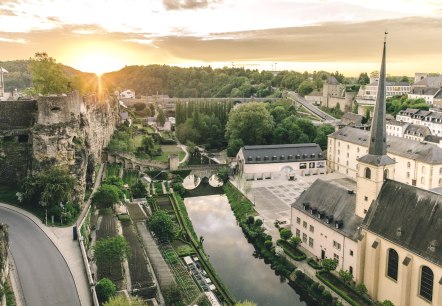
(393, 262)
(440, 170)
(408, 165)
(426, 284)
(422, 180)
(367, 173)
(423, 169)
(385, 174)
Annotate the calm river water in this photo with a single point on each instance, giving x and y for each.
(246, 277)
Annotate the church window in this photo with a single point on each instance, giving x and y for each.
(393, 263)
(408, 165)
(440, 170)
(367, 173)
(426, 283)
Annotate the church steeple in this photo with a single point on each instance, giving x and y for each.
(377, 147)
(376, 166)
(378, 135)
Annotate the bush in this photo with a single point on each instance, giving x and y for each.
(105, 289)
(387, 303)
(361, 289)
(106, 196)
(329, 264)
(268, 244)
(162, 225)
(312, 263)
(345, 276)
(285, 234)
(258, 222)
(250, 220)
(295, 242)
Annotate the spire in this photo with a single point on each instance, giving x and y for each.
(378, 135)
(377, 147)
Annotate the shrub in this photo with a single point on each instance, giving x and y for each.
(329, 264)
(295, 241)
(162, 225)
(250, 219)
(361, 289)
(327, 297)
(105, 289)
(268, 244)
(258, 222)
(345, 276)
(387, 303)
(285, 234)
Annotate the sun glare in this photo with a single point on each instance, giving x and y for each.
(96, 58)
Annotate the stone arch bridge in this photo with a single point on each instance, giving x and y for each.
(203, 171)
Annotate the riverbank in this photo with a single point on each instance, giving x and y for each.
(303, 282)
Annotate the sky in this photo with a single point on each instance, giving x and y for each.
(346, 35)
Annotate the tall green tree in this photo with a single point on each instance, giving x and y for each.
(251, 123)
(162, 225)
(49, 188)
(109, 250)
(48, 77)
(106, 196)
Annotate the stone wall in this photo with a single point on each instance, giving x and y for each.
(64, 130)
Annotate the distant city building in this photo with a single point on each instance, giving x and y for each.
(273, 161)
(124, 116)
(127, 94)
(431, 119)
(407, 130)
(2, 82)
(426, 93)
(333, 93)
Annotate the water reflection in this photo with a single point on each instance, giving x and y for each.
(246, 277)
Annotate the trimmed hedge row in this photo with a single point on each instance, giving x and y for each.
(312, 263)
(290, 251)
(344, 295)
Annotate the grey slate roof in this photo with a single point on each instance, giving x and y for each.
(407, 148)
(397, 123)
(433, 138)
(332, 81)
(355, 118)
(410, 217)
(427, 91)
(333, 200)
(417, 130)
(431, 81)
(282, 153)
(376, 83)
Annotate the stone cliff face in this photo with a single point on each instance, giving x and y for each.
(4, 267)
(65, 130)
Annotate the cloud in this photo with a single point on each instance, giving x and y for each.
(6, 12)
(188, 4)
(13, 40)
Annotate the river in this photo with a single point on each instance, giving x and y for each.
(244, 275)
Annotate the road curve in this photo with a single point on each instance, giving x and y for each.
(44, 275)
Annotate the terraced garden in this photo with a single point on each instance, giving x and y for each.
(141, 277)
(113, 170)
(130, 177)
(135, 212)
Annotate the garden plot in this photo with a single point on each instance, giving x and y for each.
(130, 177)
(136, 213)
(141, 277)
(164, 203)
(106, 226)
(113, 170)
(189, 289)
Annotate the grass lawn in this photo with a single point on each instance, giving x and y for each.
(138, 139)
(168, 150)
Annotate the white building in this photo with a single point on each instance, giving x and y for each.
(426, 93)
(272, 161)
(431, 119)
(417, 163)
(127, 94)
(370, 91)
(325, 220)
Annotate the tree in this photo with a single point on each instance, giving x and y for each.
(223, 174)
(161, 118)
(329, 264)
(105, 289)
(305, 87)
(49, 188)
(162, 225)
(47, 76)
(285, 234)
(173, 296)
(250, 123)
(106, 196)
(363, 78)
(345, 276)
(107, 251)
(361, 289)
(295, 241)
(139, 190)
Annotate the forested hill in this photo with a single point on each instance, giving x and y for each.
(19, 76)
(208, 82)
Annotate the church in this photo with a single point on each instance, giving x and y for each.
(386, 232)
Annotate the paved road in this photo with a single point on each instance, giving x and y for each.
(310, 107)
(44, 275)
